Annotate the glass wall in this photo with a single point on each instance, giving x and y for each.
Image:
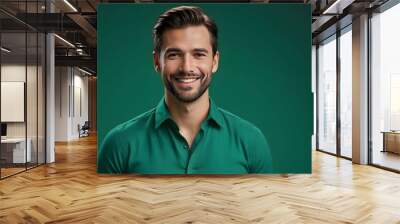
(345, 92)
(334, 74)
(385, 88)
(22, 92)
(327, 95)
(13, 88)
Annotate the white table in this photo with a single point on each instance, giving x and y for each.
(18, 149)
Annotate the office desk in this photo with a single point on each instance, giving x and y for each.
(13, 150)
(391, 141)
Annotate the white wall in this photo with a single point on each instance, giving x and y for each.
(16, 72)
(62, 81)
(71, 92)
(80, 110)
(33, 127)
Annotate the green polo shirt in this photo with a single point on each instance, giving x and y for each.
(151, 144)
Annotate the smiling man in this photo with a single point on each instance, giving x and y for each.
(186, 133)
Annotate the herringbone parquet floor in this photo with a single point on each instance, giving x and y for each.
(70, 191)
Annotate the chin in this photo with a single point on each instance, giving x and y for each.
(189, 98)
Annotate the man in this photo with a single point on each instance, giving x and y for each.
(186, 133)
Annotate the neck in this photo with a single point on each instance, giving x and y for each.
(188, 115)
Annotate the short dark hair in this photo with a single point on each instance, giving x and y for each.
(181, 17)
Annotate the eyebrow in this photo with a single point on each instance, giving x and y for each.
(172, 50)
(201, 50)
(179, 50)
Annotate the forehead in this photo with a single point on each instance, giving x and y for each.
(188, 37)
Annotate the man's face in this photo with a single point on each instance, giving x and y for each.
(186, 62)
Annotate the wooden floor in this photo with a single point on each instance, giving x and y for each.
(70, 191)
(5, 172)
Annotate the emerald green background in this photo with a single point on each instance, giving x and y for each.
(264, 74)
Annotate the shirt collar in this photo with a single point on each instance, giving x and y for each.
(162, 114)
(215, 114)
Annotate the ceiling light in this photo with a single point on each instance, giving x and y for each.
(70, 5)
(331, 7)
(5, 50)
(84, 71)
(65, 41)
(337, 7)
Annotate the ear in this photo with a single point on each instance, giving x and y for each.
(156, 61)
(215, 62)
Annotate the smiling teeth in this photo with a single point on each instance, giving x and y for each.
(186, 80)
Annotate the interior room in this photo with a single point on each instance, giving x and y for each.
(49, 72)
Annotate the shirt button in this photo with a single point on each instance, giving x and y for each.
(185, 146)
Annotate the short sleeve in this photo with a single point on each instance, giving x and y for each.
(111, 156)
(260, 154)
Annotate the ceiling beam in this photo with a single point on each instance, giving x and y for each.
(84, 61)
(86, 26)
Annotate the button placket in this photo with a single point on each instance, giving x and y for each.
(196, 141)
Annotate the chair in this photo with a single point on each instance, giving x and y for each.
(84, 130)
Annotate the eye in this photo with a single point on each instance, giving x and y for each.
(199, 55)
(172, 55)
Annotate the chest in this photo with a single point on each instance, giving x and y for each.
(210, 152)
(189, 136)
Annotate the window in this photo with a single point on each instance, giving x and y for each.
(385, 88)
(346, 92)
(327, 95)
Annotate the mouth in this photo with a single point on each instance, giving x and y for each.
(186, 79)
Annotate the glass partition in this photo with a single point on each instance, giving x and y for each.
(14, 153)
(327, 95)
(22, 77)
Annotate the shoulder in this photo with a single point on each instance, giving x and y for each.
(246, 132)
(256, 147)
(115, 149)
(137, 123)
(133, 127)
(239, 124)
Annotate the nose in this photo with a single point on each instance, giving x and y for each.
(187, 65)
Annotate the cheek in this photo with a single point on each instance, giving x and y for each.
(206, 69)
(170, 67)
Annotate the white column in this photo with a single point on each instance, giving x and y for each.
(360, 90)
(50, 110)
(50, 92)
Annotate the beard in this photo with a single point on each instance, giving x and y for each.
(182, 93)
